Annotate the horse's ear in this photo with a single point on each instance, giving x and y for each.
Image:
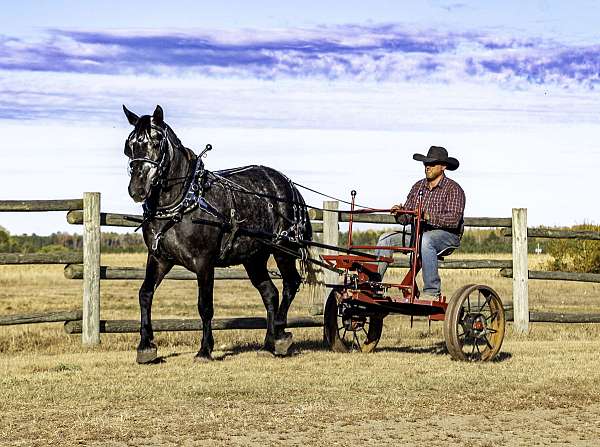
(157, 116)
(131, 117)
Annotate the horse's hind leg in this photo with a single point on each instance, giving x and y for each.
(291, 283)
(260, 279)
(156, 269)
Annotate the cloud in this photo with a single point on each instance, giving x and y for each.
(331, 53)
(572, 66)
(387, 52)
(223, 78)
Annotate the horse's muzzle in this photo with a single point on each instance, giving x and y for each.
(137, 194)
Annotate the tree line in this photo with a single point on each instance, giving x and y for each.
(63, 242)
(566, 255)
(473, 241)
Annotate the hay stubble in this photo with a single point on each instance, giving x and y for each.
(544, 389)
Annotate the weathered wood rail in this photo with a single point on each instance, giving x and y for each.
(75, 217)
(40, 258)
(159, 325)
(556, 276)
(42, 317)
(558, 234)
(75, 271)
(389, 219)
(16, 206)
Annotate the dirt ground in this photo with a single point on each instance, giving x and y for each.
(544, 389)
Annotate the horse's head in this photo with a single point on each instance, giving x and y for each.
(147, 149)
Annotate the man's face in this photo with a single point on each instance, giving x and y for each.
(434, 170)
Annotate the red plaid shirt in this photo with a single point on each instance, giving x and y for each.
(445, 203)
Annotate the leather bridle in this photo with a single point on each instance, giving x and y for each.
(162, 163)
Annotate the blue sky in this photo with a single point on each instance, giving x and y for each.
(337, 95)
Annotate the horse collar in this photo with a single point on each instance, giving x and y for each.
(190, 200)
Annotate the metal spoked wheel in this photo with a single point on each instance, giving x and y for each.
(474, 324)
(347, 331)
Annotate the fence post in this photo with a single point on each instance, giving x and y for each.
(90, 334)
(520, 270)
(330, 237)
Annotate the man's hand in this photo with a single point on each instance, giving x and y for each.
(395, 210)
(426, 216)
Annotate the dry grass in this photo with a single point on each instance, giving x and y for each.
(544, 389)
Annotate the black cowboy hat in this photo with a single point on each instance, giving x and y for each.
(440, 155)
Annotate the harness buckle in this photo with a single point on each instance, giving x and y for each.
(156, 239)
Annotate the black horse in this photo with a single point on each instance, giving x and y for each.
(201, 220)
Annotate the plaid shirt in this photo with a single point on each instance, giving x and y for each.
(445, 204)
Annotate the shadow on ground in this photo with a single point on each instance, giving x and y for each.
(436, 349)
(319, 346)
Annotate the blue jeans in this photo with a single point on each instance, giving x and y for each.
(433, 242)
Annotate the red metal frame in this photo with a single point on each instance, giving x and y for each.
(358, 285)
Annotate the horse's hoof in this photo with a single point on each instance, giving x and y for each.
(282, 345)
(202, 359)
(148, 355)
(264, 353)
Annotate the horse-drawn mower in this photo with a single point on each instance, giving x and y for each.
(192, 218)
(474, 319)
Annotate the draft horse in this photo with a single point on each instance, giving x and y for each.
(200, 220)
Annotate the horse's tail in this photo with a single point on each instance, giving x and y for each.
(308, 269)
(312, 274)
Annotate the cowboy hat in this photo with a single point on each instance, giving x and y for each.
(440, 155)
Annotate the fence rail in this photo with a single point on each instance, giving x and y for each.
(389, 219)
(131, 326)
(75, 271)
(75, 217)
(40, 205)
(108, 219)
(461, 263)
(40, 258)
(42, 317)
(558, 234)
(556, 276)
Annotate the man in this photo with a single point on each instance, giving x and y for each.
(443, 205)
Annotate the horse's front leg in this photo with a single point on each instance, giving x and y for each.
(206, 280)
(156, 269)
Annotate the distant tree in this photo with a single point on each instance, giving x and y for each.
(573, 255)
(4, 240)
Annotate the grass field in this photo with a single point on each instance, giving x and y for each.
(544, 388)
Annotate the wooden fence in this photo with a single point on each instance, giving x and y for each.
(86, 266)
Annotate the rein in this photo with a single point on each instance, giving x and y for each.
(192, 195)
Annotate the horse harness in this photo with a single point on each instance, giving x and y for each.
(198, 182)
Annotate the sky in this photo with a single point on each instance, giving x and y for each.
(337, 95)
